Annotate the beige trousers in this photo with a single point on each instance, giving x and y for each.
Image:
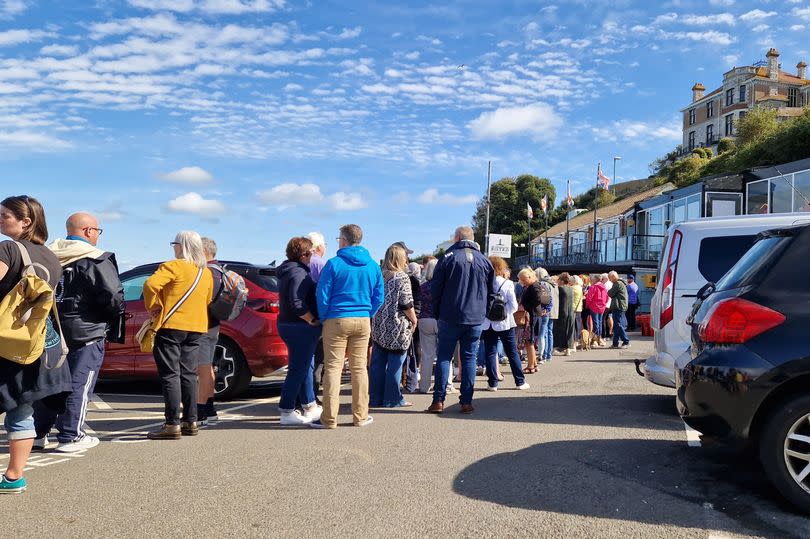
(345, 338)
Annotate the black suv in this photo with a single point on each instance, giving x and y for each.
(749, 378)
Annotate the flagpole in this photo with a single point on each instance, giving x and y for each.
(529, 243)
(596, 204)
(545, 215)
(489, 180)
(567, 214)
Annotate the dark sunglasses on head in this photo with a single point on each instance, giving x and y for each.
(173, 243)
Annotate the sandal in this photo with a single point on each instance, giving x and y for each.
(529, 370)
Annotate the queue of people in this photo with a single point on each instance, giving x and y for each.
(397, 326)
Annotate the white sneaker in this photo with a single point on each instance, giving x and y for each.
(369, 420)
(294, 418)
(41, 443)
(313, 412)
(524, 386)
(86, 442)
(450, 389)
(492, 388)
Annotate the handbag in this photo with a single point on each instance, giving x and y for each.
(520, 317)
(145, 336)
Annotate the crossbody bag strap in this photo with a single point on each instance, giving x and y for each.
(185, 296)
(28, 265)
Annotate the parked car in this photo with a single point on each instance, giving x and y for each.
(694, 253)
(248, 346)
(748, 377)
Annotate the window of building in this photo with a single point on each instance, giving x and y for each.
(729, 125)
(781, 195)
(709, 134)
(692, 116)
(723, 204)
(793, 97)
(710, 109)
(691, 140)
(729, 97)
(801, 181)
(742, 94)
(693, 207)
(743, 113)
(679, 211)
(757, 197)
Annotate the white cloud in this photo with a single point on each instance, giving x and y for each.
(12, 7)
(760, 28)
(412, 55)
(756, 15)
(193, 175)
(797, 27)
(349, 33)
(706, 20)
(194, 204)
(710, 36)
(60, 50)
(15, 37)
(288, 195)
(433, 196)
(721, 2)
(292, 87)
(347, 201)
(731, 59)
(291, 194)
(802, 12)
(31, 141)
(225, 7)
(635, 131)
(539, 120)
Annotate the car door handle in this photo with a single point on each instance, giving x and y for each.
(688, 295)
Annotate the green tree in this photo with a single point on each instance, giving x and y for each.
(758, 125)
(508, 208)
(725, 145)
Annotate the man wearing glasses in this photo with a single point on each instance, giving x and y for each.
(91, 302)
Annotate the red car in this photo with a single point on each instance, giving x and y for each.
(248, 346)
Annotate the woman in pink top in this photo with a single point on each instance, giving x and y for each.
(597, 300)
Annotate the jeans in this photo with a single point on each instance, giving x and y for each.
(19, 423)
(546, 337)
(597, 324)
(85, 363)
(491, 340)
(468, 337)
(631, 316)
(619, 325)
(385, 376)
(428, 340)
(345, 338)
(301, 340)
(176, 356)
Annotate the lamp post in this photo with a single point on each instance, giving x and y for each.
(615, 158)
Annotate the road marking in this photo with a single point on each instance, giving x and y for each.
(100, 404)
(692, 436)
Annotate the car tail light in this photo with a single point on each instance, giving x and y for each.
(263, 305)
(736, 320)
(668, 283)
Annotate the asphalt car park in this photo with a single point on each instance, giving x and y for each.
(592, 449)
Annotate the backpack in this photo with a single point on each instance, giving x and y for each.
(545, 293)
(25, 318)
(231, 297)
(497, 312)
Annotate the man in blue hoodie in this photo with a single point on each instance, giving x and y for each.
(463, 288)
(350, 291)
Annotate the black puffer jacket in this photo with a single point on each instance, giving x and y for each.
(90, 298)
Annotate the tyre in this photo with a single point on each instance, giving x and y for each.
(784, 450)
(231, 372)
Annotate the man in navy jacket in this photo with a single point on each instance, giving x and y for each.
(463, 287)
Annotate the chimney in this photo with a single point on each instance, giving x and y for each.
(802, 67)
(773, 64)
(697, 91)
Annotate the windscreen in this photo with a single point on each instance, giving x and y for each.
(754, 263)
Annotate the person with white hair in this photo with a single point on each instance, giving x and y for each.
(546, 343)
(618, 294)
(317, 262)
(177, 297)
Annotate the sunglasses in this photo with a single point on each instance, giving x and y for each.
(173, 243)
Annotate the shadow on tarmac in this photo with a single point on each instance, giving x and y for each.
(617, 479)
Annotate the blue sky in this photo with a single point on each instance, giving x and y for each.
(255, 120)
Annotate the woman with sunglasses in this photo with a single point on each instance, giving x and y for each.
(177, 296)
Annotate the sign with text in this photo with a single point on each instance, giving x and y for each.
(500, 245)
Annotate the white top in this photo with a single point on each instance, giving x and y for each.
(511, 306)
(608, 286)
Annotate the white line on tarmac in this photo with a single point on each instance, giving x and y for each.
(100, 404)
(692, 436)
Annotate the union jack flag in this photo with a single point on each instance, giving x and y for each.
(544, 204)
(602, 180)
(529, 211)
(570, 200)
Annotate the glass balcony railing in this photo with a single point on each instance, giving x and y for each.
(634, 248)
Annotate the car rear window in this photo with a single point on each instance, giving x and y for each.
(266, 278)
(753, 263)
(718, 254)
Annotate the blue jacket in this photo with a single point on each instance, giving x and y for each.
(463, 285)
(350, 285)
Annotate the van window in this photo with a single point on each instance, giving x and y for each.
(752, 264)
(718, 254)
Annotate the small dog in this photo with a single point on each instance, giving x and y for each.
(586, 340)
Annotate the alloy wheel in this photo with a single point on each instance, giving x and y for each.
(797, 452)
(224, 367)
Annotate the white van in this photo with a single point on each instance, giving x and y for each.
(696, 252)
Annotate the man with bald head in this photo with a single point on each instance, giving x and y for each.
(91, 302)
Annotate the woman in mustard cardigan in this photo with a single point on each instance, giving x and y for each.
(177, 295)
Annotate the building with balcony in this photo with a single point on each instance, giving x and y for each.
(713, 116)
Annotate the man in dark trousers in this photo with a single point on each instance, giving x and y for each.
(90, 300)
(463, 288)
